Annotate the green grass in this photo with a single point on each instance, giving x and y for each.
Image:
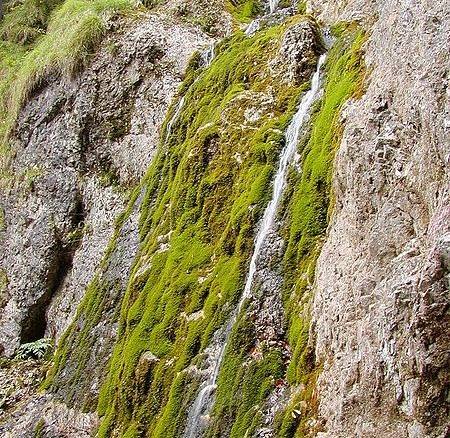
(11, 55)
(73, 31)
(42, 38)
(26, 21)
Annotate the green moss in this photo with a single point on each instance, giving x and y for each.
(311, 197)
(245, 10)
(39, 429)
(3, 287)
(205, 192)
(2, 219)
(249, 374)
(203, 196)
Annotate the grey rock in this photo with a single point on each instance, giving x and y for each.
(380, 313)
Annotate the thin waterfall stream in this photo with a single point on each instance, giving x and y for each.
(174, 118)
(273, 5)
(207, 57)
(198, 413)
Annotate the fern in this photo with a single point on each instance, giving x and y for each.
(35, 350)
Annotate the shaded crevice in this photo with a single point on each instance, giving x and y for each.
(35, 323)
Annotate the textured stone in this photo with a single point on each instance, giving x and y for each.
(298, 52)
(79, 144)
(381, 307)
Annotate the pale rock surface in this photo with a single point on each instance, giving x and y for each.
(380, 316)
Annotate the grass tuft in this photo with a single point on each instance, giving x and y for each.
(44, 39)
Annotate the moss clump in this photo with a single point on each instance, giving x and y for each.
(245, 381)
(39, 429)
(204, 194)
(245, 10)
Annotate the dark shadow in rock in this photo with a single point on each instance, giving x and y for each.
(35, 323)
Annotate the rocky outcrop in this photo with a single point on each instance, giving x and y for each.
(79, 145)
(381, 306)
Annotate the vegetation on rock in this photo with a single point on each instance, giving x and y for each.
(39, 38)
(204, 195)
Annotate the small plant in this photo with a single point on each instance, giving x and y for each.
(35, 350)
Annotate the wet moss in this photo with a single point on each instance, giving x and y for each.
(245, 10)
(205, 193)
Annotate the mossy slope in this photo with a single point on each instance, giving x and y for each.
(204, 195)
(309, 204)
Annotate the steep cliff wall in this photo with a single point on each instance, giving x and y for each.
(381, 305)
(129, 225)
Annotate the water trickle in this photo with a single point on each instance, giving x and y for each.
(273, 5)
(253, 27)
(174, 118)
(198, 413)
(208, 55)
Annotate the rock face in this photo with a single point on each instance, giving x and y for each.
(380, 307)
(298, 51)
(382, 295)
(79, 145)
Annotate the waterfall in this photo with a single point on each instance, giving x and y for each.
(174, 118)
(273, 5)
(207, 57)
(198, 413)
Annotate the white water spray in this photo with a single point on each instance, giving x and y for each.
(198, 413)
(273, 5)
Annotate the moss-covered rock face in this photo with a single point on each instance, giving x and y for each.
(309, 205)
(203, 197)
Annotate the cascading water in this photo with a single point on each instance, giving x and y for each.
(197, 415)
(273, 5)
(207, 58)
(256, 23)
(174, 118)
(208, 55)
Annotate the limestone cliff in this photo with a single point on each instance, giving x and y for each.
(140, 157)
